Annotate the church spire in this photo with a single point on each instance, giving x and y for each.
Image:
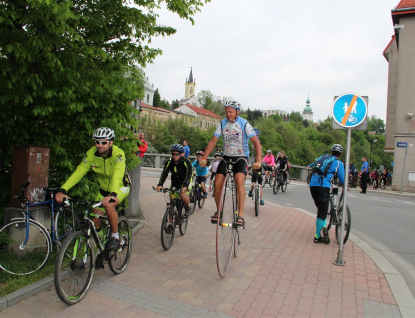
(190, 80)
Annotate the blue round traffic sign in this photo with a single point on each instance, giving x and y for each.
(349, 110)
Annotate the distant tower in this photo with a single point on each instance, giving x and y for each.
(190, 86)
(308, 112)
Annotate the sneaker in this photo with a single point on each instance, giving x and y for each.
(250, 194)
(326, 235)
(261, 202)
(99, 263)
(319, 240)
(210, 189)
(114, 243)
(187, 212)
(205, 195)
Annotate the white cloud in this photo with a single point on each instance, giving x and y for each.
(270, 54)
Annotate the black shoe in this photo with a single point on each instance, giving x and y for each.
(319, 240)
(99, 263)
(326, 236)
(187, 212)
(114, 243)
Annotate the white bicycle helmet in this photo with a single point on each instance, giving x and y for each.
(269, 150)
(232, 103)
(104, 133)
(337, 147)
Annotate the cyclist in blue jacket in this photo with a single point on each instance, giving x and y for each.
(320, 191)
(201, 172)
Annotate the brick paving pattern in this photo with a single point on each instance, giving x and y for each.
(279, 272)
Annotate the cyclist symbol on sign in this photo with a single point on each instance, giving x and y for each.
(352, 119)
(346, 107)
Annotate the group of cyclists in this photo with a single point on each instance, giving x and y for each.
(107, 161)
(376, 177)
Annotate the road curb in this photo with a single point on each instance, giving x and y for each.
(32, 289)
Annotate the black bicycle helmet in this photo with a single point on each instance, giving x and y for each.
(177, 147)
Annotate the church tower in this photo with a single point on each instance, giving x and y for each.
(190, 86)
(308, 112)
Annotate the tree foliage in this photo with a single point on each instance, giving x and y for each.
(68, 67)
(156, 98)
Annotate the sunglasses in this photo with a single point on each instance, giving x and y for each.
(101, 142)
(175, 154)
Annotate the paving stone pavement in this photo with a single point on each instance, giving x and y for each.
(279, 272)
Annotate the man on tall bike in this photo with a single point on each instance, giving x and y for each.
(201, 172)
(236, 133)
(108, 162)
(320, 191)
(269, 160)
(181, 175)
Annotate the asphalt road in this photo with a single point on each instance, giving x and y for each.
(385, 222)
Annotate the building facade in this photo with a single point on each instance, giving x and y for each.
(267, 113)
(400, 54)
(203, 118)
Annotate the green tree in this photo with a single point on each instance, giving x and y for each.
(156, 98)
(175, 104)
(67, 67)
(205, 98)
(164, 104)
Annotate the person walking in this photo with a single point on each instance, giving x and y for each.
(320, 188)
(364, 174)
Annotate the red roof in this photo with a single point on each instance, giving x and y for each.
(202, 111)
(163, 110)
(387, 47)
(406, 4)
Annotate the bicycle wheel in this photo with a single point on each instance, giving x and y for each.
(382, 184)
(193, 199)
(256, 201)
(183, 227)
(168, 226)
(65, 223)
(21, 259)
(308, 178)
(225, 230)
(264, 181)
(330, 219)
(118, 259)
(274, 186)
(74, 268)
(284, 185)
(200, 199)
(288, 178)
(347, 225)
(236, 243)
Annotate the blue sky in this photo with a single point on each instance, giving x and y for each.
(271, 54)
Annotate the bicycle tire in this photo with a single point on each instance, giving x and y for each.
(236, 243)
(193, 197)
(183, 227)
(308, 178)
(65, 223)
(200, 199)
(118, 260)
(330, 215)
(23, 260)
(347, 225)
(256, 201)
(288, 178)
(274, 186)
(284, 186)
(225, 230)
(264, 181)
(382, 184)
(270, 180)
(167, 229)
(73, 275)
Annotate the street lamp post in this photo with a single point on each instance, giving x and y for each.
(370, 152)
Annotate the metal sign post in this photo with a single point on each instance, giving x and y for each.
(349, 111)
(403, 144)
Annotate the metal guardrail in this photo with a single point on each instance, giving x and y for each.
(156, 160)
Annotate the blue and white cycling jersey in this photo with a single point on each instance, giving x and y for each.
(236, 136)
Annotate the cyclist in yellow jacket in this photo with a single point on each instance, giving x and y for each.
(108, 162)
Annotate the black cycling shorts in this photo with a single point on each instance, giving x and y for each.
(268, 168)
(212, 175)
(256, 176)
(238, 166)
(200, 179)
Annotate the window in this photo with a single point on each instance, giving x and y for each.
(148, 98)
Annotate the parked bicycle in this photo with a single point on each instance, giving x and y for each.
(279, 182)
(174, 216)
(227, 234)
(26, 244)
(196, 196)
(76, 261)
(335, 215)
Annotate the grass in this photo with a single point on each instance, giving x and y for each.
(10, 283)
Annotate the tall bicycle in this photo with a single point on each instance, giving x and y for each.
(335, 215)
(26, 244)
(76, 262)
(173, 217)
(227, 235)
